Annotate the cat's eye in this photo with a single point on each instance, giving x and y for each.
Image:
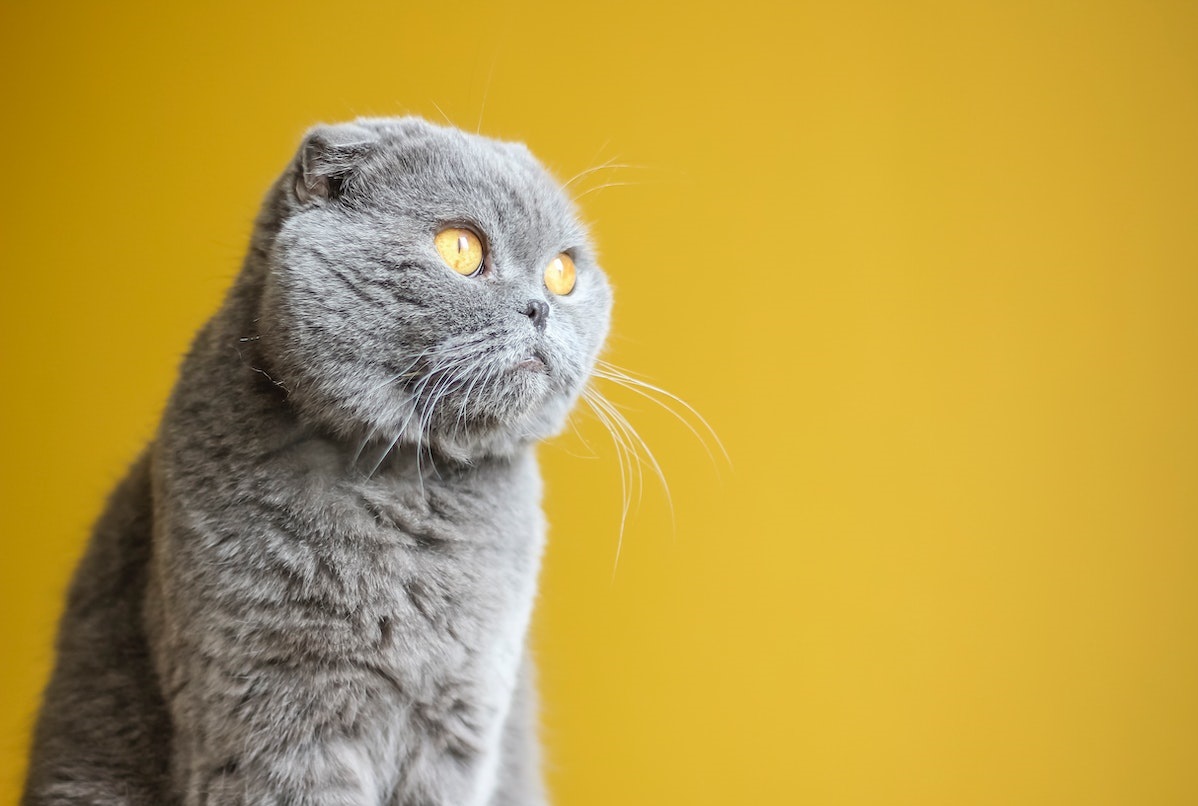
(461, 250)
(559, 275)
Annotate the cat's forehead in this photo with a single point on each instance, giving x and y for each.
(449, 172)
(421, 150)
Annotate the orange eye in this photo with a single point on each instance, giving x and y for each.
(559, 275)
(461, 250)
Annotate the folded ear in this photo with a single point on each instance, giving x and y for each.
(327, 157)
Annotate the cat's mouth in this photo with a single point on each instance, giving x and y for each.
(535, 361)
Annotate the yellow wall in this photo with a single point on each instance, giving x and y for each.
(930, 269)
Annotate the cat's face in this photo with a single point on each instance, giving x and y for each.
(419, 289)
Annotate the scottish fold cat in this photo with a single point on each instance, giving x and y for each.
(314, 586)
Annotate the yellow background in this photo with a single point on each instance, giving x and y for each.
(930, 269)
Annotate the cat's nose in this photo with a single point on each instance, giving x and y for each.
(538, 311)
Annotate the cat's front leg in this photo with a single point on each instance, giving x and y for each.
(332, 736)
(520, 781)
(272, 737)
(324, 774)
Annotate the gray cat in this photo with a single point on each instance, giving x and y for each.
(315, 585)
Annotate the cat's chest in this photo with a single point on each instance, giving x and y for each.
(431, 575)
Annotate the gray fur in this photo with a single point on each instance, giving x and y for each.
(314, 587)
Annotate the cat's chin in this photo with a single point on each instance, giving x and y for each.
(525, 408)
(535, 361)
(540, 415)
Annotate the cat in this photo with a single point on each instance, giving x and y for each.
(314, 586)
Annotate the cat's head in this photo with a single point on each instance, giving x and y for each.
(429, 287)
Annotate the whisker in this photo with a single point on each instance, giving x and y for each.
(605, 165)
(572, 422)
(353, 462)
(442, 111)
(611, 372)
(486, 90)
(475, 370)
(416, 393)
(620, 425)
(443, 348)
(652, 460)
(624, 488)
(589, 191)
(383, 455)
(632, 449)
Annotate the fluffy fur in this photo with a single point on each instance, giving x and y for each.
(315, 585)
